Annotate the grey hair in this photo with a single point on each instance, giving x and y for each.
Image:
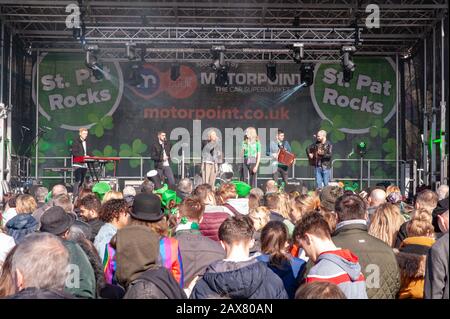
(129, 191)
(59, 189)
(442, 191)
(42, 260)
(185, 185)
(257, 192)
(41, 193)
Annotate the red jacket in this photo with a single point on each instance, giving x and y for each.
(212, 219)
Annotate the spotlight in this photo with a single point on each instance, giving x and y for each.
(222, 76)
(97, 72)
(362, 148)
(174, 71)
(29, 49)
(298, 52)
(218, 57)
(76, 32)
(347, 64)
(92, 61)
(131, 50)
(307, 73)
(134, 77)
(271, 71)
(348, 75)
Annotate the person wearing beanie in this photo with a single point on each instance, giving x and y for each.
(57, 222)
(137, 252)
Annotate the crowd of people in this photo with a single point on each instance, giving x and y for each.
(233, 242)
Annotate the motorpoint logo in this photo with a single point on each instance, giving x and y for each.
(154, 82)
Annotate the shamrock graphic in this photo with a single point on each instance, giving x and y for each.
(102, 124)
(108, 151)
(390, 147)
(135, 150)
(299, 150)
(332, 128)
(378, 129)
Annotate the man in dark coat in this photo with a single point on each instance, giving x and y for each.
(238, 276)
(160, 153)
(377, 259)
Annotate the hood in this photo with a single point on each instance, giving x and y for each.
(22, 221)
(237, 280)
(346, 260)
(137, 249)
(240, 204)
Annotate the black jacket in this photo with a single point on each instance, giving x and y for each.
(155, 283)
(157, 154)
(77, 147)
(325, 160)
(250, 279)
(21, 225)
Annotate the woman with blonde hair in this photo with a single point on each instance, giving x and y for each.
(303, 204)
(23, 223)
(412, 255)
(251, 151)
(260, 217)
(112, 195)
(385, 223)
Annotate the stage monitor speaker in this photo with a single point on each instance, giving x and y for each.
(135, 183)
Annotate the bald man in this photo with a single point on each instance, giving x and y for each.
(376, 198)
(271, 187)
(319, 156)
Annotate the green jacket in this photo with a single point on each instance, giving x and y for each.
(377, 259)
(80, 268)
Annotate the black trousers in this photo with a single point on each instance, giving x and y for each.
(283, 171)
(249, 176)
(79, 175)
(166, 171)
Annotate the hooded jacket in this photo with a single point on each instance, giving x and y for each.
(21, 225)
(436, 274)
(250, 279)
(340, 267)
(374, 255)
(411, 258)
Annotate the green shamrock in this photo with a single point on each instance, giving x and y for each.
(103, 123)
(333, 128)
(108, 151)
(135, 150)
(299, 149)
(390, 147)
(379, 129)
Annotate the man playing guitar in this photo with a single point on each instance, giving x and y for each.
(319, 155)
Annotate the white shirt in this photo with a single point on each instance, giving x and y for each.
(8, 214)
(84, 148)
(165, 162)
(6, 244)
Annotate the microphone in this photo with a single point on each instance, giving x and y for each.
(46, 128)
(25, 128)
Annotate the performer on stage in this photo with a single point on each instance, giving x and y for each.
(160, 153)
(278, 168)
(211, 158)
(319, 155)
(251, 149)
(79, 148)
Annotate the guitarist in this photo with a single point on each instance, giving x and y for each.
(319, 155)
(278, 168)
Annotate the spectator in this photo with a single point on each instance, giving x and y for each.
(332, 264)
(82, 193)
(197, 251)
(10, 209)
(271, 187)
(23, 223)
(303, 204)
(89, 211)
(328, 198)
(351, 233)
(147, 187)
(6, 244)
(128, 191)
(436, 272)
(441, 208)
(284, 208)
(115, 215)
(426, 199)
(41, 193)
(7, 284)
(39, 264)
(57, 222)
(386, 222)
(65, 202)
(214, 215)
(260, 216)
(228, 198)
(185, 188)
(111, 195)
(442, 192)
(258, 192)
(376, 198)
(56, 191)
(138, 269)
(273, 204)
(254, 202)
(319, 290)
(238, 276)
(274, 241)
(412, 254)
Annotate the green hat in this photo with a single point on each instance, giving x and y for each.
(48, 197)
(161, 190)
(169, 195)
(100, 189)
(351, 186)
(242, 188)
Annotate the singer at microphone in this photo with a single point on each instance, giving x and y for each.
(211, 157)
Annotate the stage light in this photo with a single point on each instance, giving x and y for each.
(362, 148)
(131, 50)
(218, 55)
(174, 71)
(307, 73)
(222, 76)
(76, 32)
(92, 61)
(271, 71)
(348, 67)
(134, 77)
(298, 52)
